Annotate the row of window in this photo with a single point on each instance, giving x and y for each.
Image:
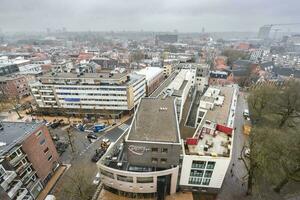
(200, 173)
(127, 178)
(203, 164)
(162, 160)
(156, 150)
(39, 134)
(89, 94)
(94, 88)
(199, 181)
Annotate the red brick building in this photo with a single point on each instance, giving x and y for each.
(14, 86)
(41, 152)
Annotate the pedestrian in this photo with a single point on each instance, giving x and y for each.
(232, 164)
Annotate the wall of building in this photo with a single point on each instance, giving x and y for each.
(218, 175)
(35, 146)
(17, 87)
(168, 152)
(109, 177)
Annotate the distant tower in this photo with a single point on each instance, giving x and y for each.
(64, 29)
(203, 30)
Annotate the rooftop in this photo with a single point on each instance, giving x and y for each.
(155, 121)
(213, 135)
(13, 133)
(150, 72)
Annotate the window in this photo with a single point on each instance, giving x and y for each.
(163, 160)
(164, 150)
(39, 133)
(46, 150)
(42, 141)
(154, 160)
(144, 179)
(50, 157)
(154, 149)
(196, 173)
(108, 174)
(205, 181)
(195, 181)
(125, 178)
(198, 164)
(208, 174)
(210, 165)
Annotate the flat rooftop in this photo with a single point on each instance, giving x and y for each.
(219, 114)
(155, 121)
(100, 75)
(15, 132)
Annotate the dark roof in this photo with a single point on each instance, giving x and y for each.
(155, 121)
(15, 132)
(240, 72)
(286, 71)
(242, 63)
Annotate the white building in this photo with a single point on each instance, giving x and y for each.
(207, 154)
(114, 92)
(30, 69)
(143, 160)
(154, 77)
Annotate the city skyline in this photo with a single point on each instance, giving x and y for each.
(187, 16)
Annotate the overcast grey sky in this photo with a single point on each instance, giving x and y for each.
(154, 15)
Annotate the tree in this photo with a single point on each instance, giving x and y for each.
(260, 100)
(275, 155)
(234, 55)
(77, 184)
(286, 104)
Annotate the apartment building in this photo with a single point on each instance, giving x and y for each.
(114, 93)
(14, 86)
(145, 160)
(28, 159)
(208, 151)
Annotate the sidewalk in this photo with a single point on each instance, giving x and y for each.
(52, 182)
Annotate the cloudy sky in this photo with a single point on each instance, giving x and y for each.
(153, 15)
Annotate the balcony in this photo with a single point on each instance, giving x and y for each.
(26, 178)
(21, 194)
(20, 169)
(17, 159)
(8, 178)
(14, 188)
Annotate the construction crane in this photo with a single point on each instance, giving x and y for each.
(265, 30)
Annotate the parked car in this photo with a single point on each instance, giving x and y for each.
(92, 136)
(96, 181)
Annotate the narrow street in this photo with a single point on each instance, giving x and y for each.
(235, 184)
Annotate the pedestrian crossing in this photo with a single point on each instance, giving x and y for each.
(123, 127)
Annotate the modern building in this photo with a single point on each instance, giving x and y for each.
(145, 160)
(154, 77)
(14, 86)
(28, 159)
(208, 151)
(74, 93)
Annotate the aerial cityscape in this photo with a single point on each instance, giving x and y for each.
(155, 100)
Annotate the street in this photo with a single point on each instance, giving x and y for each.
(235, 184)
(83, 152)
